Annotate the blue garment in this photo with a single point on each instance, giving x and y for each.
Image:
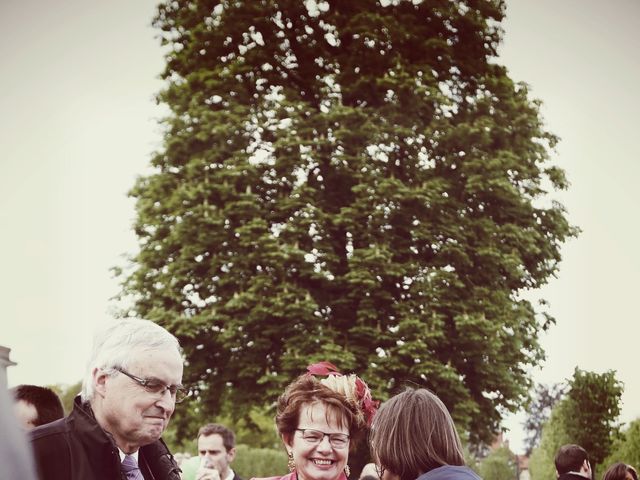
(450, 472)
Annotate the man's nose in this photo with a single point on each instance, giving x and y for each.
(166, 401)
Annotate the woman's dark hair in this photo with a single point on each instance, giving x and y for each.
(413, 433)
(618, 471)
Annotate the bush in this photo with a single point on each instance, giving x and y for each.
(259, 462)
(498, 465)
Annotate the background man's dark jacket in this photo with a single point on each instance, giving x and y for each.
(571, 476)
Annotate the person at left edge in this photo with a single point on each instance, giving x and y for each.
(129, 392)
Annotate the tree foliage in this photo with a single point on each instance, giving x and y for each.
(626, 447)
(359, 182)
(539, 410)
(67, 393)
(554, 435)
(593, 407)
(500, 464)
(586, 416)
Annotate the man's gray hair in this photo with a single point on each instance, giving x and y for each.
(116, 343)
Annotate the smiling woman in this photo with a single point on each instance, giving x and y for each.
(320, 420)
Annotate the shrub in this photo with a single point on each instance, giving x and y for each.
(259, 462)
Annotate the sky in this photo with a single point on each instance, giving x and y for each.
(79, 123)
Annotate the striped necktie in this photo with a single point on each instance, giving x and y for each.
(131, 469)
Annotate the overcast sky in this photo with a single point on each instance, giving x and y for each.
(79, 123)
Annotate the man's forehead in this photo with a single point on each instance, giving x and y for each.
(163, 364)
(211, 442)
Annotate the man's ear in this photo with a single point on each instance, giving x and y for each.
(99, 378)
(231, 454)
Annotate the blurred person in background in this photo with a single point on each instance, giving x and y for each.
(620, 471)
(35, 406)
(16, 462)
(216, 451)
(572, 463)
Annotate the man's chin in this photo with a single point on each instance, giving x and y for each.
(154, 432)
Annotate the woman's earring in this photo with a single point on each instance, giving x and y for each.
(290, 463)
(347, 470)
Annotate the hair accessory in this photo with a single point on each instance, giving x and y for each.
(351, 386)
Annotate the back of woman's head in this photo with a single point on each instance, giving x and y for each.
(618, 471)
(413, 433)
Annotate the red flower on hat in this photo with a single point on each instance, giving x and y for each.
(366, 404)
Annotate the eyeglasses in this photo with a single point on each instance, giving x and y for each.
(151, 385)
(337, 440)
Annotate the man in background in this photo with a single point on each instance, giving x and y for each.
(572, 463)
(216, 451)
(35, 406)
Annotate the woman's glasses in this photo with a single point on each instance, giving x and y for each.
(337, 440)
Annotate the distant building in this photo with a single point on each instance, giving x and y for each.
(4, 363)
(499, 442)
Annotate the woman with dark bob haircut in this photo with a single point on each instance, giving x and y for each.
(413, 437)
(320, 416)
(620, 471)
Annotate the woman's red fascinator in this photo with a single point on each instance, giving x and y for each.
(351, 386)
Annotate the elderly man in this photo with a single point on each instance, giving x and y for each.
(132, 384)
(572, 463)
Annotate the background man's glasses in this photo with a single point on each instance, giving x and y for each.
(151, 385)
(337, 440)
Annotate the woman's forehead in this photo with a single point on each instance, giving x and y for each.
(320, 413)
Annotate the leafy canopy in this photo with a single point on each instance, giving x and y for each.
(358, 182)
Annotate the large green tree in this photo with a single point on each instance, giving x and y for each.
(359, 182)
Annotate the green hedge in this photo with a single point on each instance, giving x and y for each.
(259, 462)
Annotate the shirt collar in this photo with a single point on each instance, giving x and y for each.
(134, 455)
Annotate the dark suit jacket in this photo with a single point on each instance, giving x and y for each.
(76, 448)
